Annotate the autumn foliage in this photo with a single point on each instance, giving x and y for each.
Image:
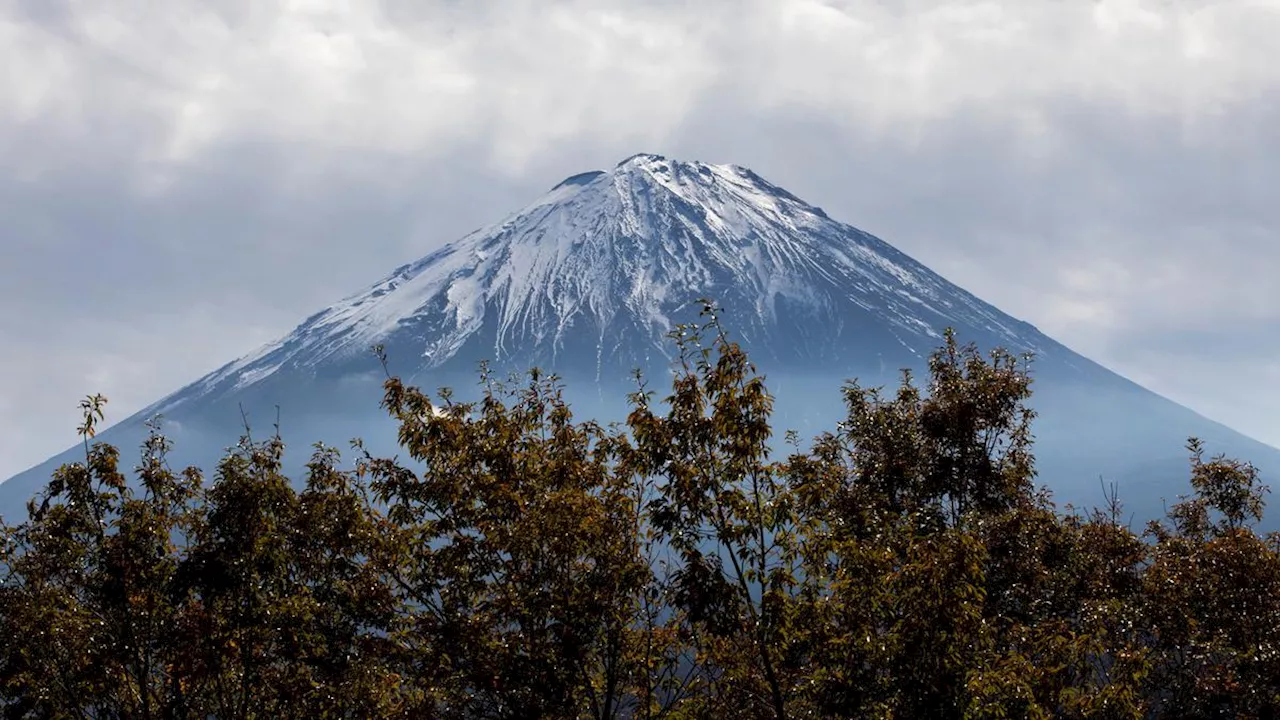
(517, 562)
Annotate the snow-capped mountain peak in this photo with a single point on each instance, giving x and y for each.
(595, 272)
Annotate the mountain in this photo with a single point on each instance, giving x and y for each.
(587, 280)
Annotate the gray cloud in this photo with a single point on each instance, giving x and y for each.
(184, 181)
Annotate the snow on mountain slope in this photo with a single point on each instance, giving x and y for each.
(615, 257)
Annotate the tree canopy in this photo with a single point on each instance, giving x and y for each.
(520, 562)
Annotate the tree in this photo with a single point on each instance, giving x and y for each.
(513, 553)
(1211, 594)
(85, 596)
(721, 509)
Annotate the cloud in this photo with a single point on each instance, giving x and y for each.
(185, 180)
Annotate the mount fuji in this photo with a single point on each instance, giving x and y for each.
(587, 281)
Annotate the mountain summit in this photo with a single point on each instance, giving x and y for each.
(588, 280)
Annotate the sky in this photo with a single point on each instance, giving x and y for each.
(181, 182)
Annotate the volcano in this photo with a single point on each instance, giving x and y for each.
(588, 280)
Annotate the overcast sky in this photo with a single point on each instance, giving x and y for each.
(183, 181)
